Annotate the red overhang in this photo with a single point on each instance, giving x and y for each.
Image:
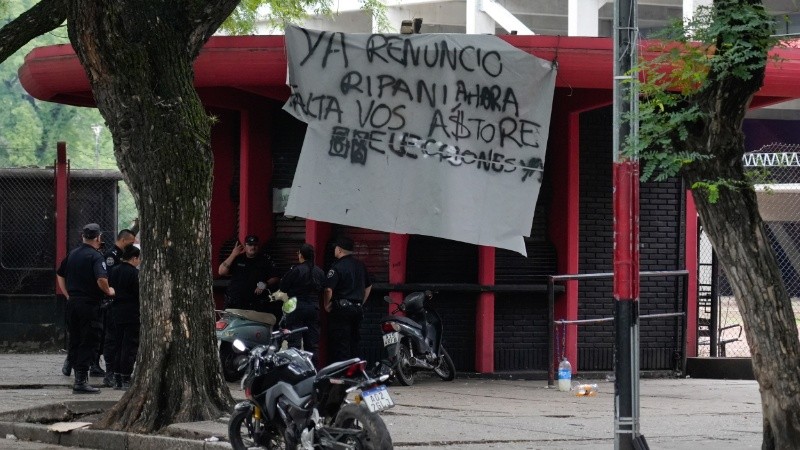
(256, 65)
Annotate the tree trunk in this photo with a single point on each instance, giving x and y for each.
(138, 56)
(737, 233)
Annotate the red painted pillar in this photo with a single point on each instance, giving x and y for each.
(484, 314)
(318, 234)
(565, 233)
(691, 267)
(62, 196)
(255, 175)
(398, 250)
(573, 236)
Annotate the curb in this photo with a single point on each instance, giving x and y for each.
(103, 439)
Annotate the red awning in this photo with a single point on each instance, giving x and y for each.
(247, 66)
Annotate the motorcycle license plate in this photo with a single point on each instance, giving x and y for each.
(377, 399)
(391, 338)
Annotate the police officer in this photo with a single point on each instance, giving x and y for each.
(108, 346)
(251, 272)
(347, 288)
(125, 314)
(304, 281)
(83, 274)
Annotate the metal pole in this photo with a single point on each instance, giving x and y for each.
(97, 129)
(626, 228)
(551, 329)
(713, 321)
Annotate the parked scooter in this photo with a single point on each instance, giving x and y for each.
(290, 405)
(251, 327)
(414, 343)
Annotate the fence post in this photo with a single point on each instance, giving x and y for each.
(61, 185)
(551, 329)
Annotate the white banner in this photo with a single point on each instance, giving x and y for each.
(434, 134)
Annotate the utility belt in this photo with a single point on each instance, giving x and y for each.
(345, 303)
(91, 301)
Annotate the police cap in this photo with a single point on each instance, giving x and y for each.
(91, 231)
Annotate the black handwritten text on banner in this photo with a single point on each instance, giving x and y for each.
(441, 134)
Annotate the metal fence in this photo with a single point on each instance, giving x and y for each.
(27, 221)
(778, 165)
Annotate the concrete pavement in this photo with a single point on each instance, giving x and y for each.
(468, 413)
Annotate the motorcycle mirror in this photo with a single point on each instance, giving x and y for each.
(239, 345)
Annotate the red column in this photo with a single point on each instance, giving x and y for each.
(318, 234)
(691, 267)
(255, 175)
(565, 231)
(61, 188)
(484, 314)
(570, 311)
(398, 249)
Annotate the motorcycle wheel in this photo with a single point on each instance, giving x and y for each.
(228, 359)
(244, 433)
(404, 372)
(446, 370)
(376, 435)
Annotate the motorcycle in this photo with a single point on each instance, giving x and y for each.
(414, 343)
(251, 327)
(290, 405)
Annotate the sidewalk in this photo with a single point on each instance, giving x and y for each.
(466, 414)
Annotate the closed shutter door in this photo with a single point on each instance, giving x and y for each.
(436, 260)
(290, 234)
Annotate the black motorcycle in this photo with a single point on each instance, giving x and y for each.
(290, 405)
(414, 343)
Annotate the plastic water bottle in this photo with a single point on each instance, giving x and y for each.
(564, 375)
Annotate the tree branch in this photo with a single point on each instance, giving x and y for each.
(45, 16)
(208, 15)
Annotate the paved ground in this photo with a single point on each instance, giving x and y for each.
(476, 413)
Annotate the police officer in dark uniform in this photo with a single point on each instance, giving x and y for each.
(125, 313)
(251, 272)
(84, 276)
(108, 346)
(304, 281)
(347, 288)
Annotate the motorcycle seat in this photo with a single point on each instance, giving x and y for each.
(328, 370)
(255, 316)
(403, 320)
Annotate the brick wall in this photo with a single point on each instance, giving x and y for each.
(661, 248)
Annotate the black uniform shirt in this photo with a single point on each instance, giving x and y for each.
(125, 281)
(113, 257)
(245, 275)
(81, 270)
(304, 281)
(348, 278)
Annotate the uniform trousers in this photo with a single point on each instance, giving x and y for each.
(85, 330)
(127, 344)
(109, 347)
(344, 332)
(306, 315)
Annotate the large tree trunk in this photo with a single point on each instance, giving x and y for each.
(138, 56)
(737, 233)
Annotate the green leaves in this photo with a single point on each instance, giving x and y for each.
(729, 40)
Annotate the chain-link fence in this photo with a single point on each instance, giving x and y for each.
(28, 228)
(778, 167)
